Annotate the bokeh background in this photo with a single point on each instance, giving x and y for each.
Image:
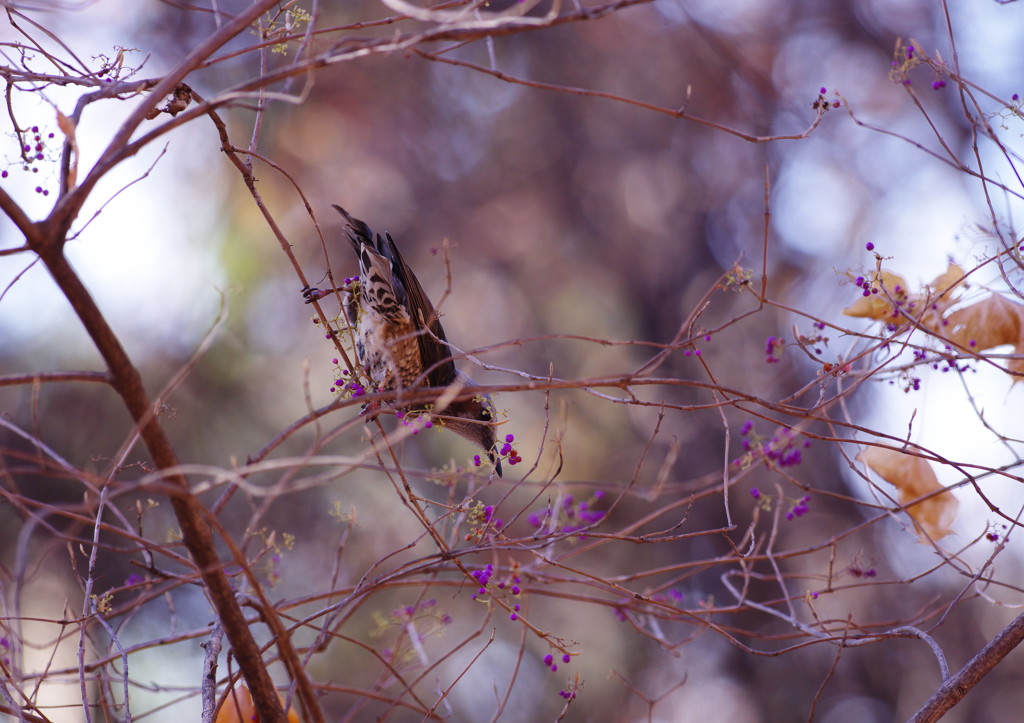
(565, 216)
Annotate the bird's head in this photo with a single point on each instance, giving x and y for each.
(474, 420)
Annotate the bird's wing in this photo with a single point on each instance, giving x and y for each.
(432, 341)
(408, 292)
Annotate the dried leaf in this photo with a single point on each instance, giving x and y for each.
(913, 477)
(67, 127)
(242, 710)
(988, 323)
(893, 301)
(950, 279)
(1016, 366)
(877, 306)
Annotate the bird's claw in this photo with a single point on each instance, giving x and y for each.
(311, 294)
(369, 410)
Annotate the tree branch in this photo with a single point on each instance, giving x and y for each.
(955, 688)
(197, 536)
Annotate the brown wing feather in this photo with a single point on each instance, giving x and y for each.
(434, 352)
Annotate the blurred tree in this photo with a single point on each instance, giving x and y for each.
(641, 222)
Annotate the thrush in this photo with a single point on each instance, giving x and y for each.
(399, 339)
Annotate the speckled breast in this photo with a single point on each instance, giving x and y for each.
(390, 352)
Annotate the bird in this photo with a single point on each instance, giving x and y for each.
(399, 340)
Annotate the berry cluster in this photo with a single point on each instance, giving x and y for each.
(549, 660)
(415, 420)
(823, 103)
(799, 508)
(507, 587)
(349, 388)
(506, 451)
(32, 152)
(571, 516)
(482, 522)
(782, 450)
(816, 339)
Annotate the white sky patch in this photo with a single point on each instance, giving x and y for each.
(149, 258)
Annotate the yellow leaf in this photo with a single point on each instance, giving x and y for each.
(238, 708)
(913, 477)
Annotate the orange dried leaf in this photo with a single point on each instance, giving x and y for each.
(238, 708)
(894, 302)
(913, 477)
(877, 306)
(932, 307)
(68, 128)
(66, 125)
(950, 279)
(1016, 366)
(990, 322)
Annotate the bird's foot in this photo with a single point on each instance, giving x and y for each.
(311, 294)
(370, 409)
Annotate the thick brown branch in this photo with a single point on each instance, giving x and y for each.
(956, 687)
(126, 380)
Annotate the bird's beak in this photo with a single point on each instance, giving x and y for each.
(495, 460)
